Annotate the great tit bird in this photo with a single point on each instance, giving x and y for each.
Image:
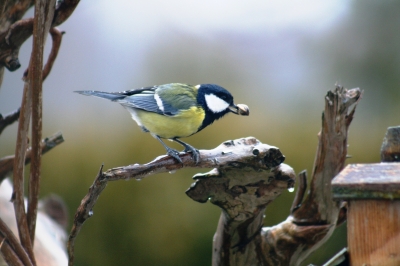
(175, 110)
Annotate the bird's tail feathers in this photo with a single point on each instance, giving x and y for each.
(102, 94)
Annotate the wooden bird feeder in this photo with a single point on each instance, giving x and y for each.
(373, 195)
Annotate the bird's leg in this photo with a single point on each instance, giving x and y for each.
(189, 148)
(171, 152)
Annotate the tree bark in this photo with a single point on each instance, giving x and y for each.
(240, 238)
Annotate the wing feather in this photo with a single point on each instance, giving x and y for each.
(168, 99)
(144, 102)
(145, 99)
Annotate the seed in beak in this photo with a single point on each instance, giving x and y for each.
(243, 109)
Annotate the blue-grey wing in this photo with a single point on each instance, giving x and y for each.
(143, 102)
(148, 100)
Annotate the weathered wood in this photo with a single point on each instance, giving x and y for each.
(373, 232)
(240, 238)
(243, 169)
(373, 194)
(243, 194)
(313, 222)
(367, 181)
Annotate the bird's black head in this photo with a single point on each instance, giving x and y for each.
(216, 102)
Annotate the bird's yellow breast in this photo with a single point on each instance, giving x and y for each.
(183, 124)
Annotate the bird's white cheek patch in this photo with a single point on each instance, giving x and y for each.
(159, 102)
(215, 103)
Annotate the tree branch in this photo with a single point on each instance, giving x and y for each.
(12, 245)
(7, 163)
(311, 224)
(8, 255)
(8, 120)
(84, 212)
(56, 36)
(44, 12)
(14, 31)
(18, 173)
(247, 154)
(11, 41)
(330, 158)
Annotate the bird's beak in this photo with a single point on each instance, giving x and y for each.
(240, 109)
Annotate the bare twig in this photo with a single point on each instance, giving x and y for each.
(11, 41)
(21, 29)
(14, 32)
(12, 241)
(44, 12)
(83, 213)
(8, 255)
(18, 175)
(246, 153)
(56, 36)
(7, 163)
(8, 119)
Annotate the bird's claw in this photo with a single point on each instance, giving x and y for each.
(175, 154)
(195, 153)
(189, 148)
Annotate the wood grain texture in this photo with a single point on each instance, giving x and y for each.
(374, 232)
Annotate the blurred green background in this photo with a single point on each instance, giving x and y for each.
(278, 57)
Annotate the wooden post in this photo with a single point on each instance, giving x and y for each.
(373, 215)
